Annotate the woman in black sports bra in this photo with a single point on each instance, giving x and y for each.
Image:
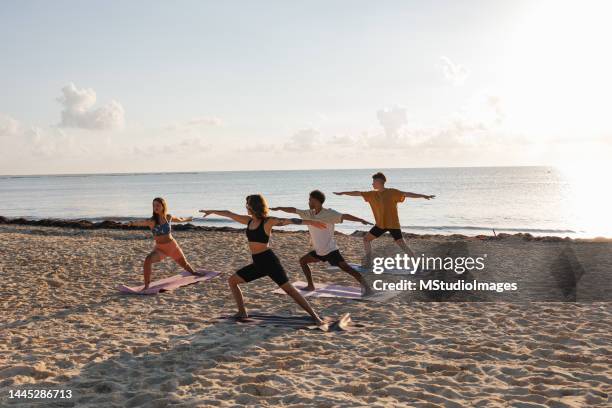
(265, 262)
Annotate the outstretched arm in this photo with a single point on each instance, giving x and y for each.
(243, 219)
(350, 217)
(141, 223)
(181, 219)
(349, 193)
(415, 195)
(279, 222)
(291, 210)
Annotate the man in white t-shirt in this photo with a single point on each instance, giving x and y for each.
(323, 241)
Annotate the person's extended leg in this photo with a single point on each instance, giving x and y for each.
(304, 261)
(233, 283)
(300, 300)
(267, 263)
(367, 245)
(404, 246)
(153, 257)
(356, 275)
(179, 258)
(182, 261)
(186, 266)
(245, 274)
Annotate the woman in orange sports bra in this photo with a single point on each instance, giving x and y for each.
(165, 245)
(265, 262)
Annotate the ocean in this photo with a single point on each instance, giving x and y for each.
(471, 201)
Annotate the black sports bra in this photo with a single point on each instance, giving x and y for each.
(258, 234)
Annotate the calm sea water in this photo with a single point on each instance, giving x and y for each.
(471, 201)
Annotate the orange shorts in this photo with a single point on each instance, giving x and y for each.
(170, 249)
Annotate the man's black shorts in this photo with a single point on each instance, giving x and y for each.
(334, 257)
(396, 233)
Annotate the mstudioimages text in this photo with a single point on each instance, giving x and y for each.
(459, 265)
(440, 285)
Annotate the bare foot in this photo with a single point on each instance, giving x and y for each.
(321, 325)
(309, 288)
(196, 273)
(366, 290)
(241, 315)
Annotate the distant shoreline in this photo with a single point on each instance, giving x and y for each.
(114, 225)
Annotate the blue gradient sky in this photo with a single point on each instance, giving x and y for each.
(274, 84)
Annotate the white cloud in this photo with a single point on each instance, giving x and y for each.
(258, 148)
(196, 123)
(185, 147)
(205, 121)
(484, 109)
(456, 74)
(78, 112)
(303, 140)
(478, 122)
(39, 142)
(53, 143)
(9, 126)
(341, 140)
(392, 120)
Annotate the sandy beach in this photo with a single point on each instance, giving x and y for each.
(64, 326)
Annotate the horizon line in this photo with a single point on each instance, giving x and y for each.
(264, 170)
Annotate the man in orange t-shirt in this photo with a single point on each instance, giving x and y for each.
(383, 202)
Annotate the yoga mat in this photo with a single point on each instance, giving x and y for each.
(363, 270)
(343, 323)
(355, 266)
(330, 290)
(167, 284)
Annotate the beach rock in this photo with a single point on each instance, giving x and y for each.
(110, 224)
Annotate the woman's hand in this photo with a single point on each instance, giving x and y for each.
(206, 212)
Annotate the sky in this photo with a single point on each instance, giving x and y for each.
(145, 86)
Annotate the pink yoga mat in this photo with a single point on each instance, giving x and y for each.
(167, 284)
(330, 290)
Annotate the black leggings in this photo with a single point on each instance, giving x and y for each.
(264, 264)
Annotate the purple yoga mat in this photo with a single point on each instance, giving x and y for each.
(166, 284)
(326, 290)
(330, 290)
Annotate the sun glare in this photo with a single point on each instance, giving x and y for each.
(588, 197)
(558, 70)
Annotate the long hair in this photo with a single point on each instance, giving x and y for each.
(157, 218)
(258, 205)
